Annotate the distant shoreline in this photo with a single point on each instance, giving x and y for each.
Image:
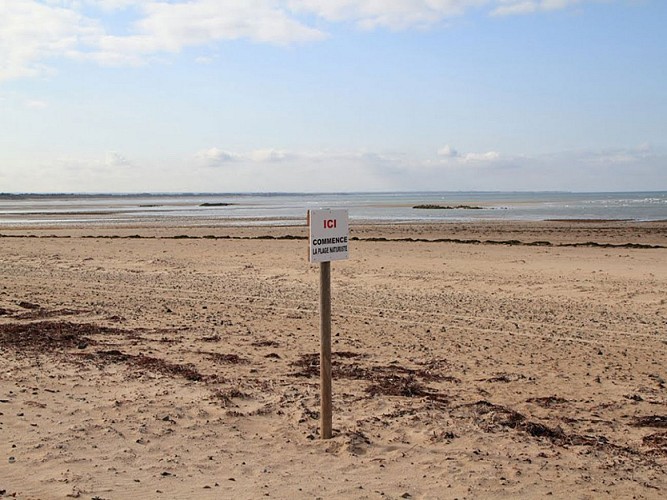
(19, 195)
(268, 209)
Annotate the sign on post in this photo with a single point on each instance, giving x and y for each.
(329, 234)
(328, 241)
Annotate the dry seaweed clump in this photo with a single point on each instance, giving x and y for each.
(49, 336)
(659, 421)
(309, 365)
(388, 380)
(142, 363)
(404, 386)
(656, 442)
(225, 359)
(492, 417)
(58, 337)
(548, 401)
(149, 363)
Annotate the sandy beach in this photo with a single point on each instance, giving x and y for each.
(481, 360)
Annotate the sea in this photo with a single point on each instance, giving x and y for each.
(284, 209)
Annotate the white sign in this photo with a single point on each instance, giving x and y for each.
(329, 234)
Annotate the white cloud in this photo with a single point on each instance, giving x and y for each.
(512, 7)
(202, 21)
(610, 156)
(109, 163)
(32, 32)
(381, 161)
(270, 155)
(72, 172)
(113, 4)
(405, 14)
(481, 157)
(171, 27)
(557, 4)
(638, 168)
(36, 104)
(318, 171)
(393, 14)
(448, 152)
(614, 169)
(214, 157)
(114, 159)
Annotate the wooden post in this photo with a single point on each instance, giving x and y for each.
(325, 351)
(328, 235)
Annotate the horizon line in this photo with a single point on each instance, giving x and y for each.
(305, 193)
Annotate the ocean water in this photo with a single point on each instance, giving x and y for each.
(290, 209)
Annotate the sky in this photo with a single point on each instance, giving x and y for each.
(332, 95)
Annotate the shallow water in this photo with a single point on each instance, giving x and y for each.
(290, 209)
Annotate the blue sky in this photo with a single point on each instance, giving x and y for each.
(325, 95)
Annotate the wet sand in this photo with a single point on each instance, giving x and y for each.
(486, 360)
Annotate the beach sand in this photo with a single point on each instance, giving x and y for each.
(485, 360)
